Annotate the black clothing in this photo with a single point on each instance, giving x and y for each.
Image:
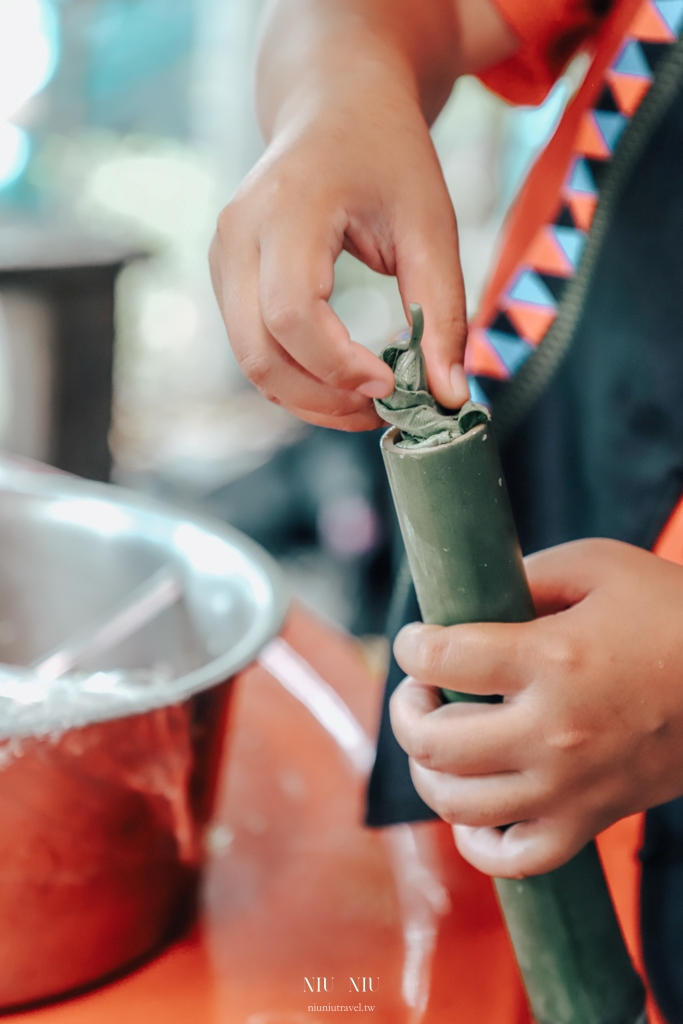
(601, 455)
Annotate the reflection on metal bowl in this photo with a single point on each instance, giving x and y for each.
(103, 803)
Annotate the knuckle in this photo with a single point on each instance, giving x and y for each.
(433, 750)
(226, 223)
(450, 813)
(355, 422)
(457, 809)
(460, 814)
(600, 545)
(547, 789)
(435, 654)
(335, 377)
(480, 817)
(256, 367)
(282, 315)
(598, 550)
(340, 407)
(441, 797)
(565, 737)
(564, 656)
(423, 749)
(271, 397)
(452, 325)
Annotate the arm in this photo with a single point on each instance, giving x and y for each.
(346, 90)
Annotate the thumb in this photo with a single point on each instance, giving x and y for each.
(428, 271)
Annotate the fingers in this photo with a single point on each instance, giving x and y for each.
(563, 576)
(296, 279)
(267, 365)
(428, 271)
(366, 420)
(492, 801)
(493, 657)
(465, 739)
(527, 848)
(273, 269)
(479, 658)
(557, 579)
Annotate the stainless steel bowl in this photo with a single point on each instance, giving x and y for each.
(102, 822)
(71, 550)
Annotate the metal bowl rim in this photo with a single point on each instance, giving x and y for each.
(51, 484)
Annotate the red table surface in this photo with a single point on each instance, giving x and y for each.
(295, 888)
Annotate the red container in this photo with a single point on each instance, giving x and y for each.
(102, 842)
(103, 816)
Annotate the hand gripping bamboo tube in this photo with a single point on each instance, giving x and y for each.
(466, 563)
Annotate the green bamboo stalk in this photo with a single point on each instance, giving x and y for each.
(466, 563)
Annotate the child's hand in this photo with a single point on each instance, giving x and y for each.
(346, 88)
(362, 176)
(591, 728)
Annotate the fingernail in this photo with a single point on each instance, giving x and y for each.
(375, 389)
(459, 383)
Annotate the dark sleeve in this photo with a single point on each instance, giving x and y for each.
(391, 796)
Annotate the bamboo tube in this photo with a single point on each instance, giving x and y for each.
(464, 556)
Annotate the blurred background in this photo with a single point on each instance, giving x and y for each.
(125, 126)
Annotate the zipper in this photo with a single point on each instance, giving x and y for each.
(518, 397)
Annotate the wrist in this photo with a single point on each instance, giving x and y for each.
(345, 52)
(377, 80)
(353, 104)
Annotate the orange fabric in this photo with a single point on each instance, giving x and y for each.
(550, 34)
(619, 846)
(670, 542)
(540, 195)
